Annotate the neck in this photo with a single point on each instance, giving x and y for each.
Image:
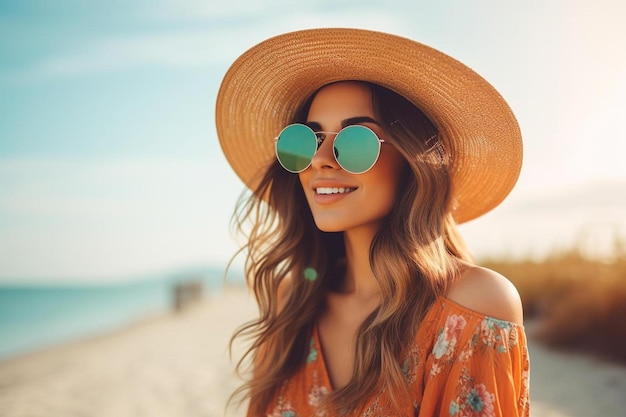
(359, 280)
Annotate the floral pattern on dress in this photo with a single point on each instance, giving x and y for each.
(316, 394)
(449, 335)
(312, 352)
(523, 400)
(410, 365)
(317, 391)
(477, 402)
(283, 409)
(489, 330)
(473, 399)
(490, 334)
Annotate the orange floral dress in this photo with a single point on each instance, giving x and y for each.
(461, 363)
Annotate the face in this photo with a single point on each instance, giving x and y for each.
(356, 200)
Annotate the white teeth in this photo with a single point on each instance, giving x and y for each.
(333, 190)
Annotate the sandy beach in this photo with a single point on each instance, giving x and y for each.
(178, 365)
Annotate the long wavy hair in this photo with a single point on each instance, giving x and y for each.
(415, 256)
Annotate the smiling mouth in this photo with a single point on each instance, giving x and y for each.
(334, 190)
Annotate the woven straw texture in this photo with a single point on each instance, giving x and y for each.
(265, 86)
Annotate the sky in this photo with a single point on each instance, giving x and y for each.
(110, 167)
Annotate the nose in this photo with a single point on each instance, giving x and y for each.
(324, 158)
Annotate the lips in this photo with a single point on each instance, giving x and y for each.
(327, 191)
(331, 186)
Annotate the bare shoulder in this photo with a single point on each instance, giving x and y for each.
(487, 292)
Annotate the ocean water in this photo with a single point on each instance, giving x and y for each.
(36, 317)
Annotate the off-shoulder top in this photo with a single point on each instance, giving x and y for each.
(461, 363)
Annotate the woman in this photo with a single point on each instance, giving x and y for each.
(364, 151)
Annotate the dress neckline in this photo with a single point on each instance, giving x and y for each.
(442, 302)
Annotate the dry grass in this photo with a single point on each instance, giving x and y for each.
(577, 302)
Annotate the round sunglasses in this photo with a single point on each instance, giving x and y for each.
(356, 148)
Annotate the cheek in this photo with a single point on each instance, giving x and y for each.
(383, 194)
(389, 171)
(384, 182)
(304, 177)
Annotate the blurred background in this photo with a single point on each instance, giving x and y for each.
(115, 198)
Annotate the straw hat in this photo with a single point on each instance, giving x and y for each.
(266, 85)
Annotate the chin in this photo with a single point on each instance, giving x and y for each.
(329, 228)
(332, 223)
(336, 225)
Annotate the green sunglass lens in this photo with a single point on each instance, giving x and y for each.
(295, 147)
(356, 149)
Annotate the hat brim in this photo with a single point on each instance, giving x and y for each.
(265, 86)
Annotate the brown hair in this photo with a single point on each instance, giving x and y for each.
(414, 256)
